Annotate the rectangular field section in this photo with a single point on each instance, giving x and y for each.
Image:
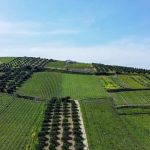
(19, 122)
(82, 86)
(132, 98)
(44, 85)
(106, 130)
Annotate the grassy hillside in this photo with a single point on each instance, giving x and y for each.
(125, 81)
(44, 85)
(81, 67)
(105, 129)
(82, 86)
(5, 59)
(19, 122)
(50, 84)
(131, 98)
(57, 64)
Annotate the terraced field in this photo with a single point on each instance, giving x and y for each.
(111, 82)
(115, 106)
(132, 98)
(19, 122)
(106, 130)
(82, 86)
(135, 81)
(125, 81)
(44, 85)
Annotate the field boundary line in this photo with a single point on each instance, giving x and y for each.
(126, 90)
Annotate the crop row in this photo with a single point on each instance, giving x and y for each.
(61, 128)
(104, 69)
(23, 62)
(17, 71)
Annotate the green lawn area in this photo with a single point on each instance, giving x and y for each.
(132, 97)
(44, 85)
(82, 86)
(108, 131)
(20, 121)
(57, 64)
(5, 59)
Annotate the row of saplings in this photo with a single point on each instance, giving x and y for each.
(14, 77)
(56, 128)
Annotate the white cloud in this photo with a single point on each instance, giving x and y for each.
(31, 29)
(121, 52)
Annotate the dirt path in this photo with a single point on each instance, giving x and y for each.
(82, 127)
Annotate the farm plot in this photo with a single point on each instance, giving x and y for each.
(61, 128)
(82, 86)
(112, 82)
(132, 98)
(44, 85)
(56, 65)
(105, 129)
(81, 67)
(139, 126)
(19, 123)
(135, 81)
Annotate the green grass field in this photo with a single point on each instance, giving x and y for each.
(125, 81)
(82, 86)
(19, 122)
(5, 59)
(135, 81)
(111, 82)
(131, 98)
(57, 64)
(44, 85)
(123, 126)
(108, 131)
(50, 84)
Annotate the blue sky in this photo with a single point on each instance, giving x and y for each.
(110, 31)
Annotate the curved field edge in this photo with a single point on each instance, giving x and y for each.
(105, 129)
(20, 122)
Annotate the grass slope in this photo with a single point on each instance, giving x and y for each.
(105, 129)
(19, 122)
(57, 64)
(131, 98)
(82, 86)
(44, 84)
(5, 59)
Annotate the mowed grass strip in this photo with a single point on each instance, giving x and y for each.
(20, 123)
(105, 129)
(44, 85)
(132, 98)
(82, 86)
